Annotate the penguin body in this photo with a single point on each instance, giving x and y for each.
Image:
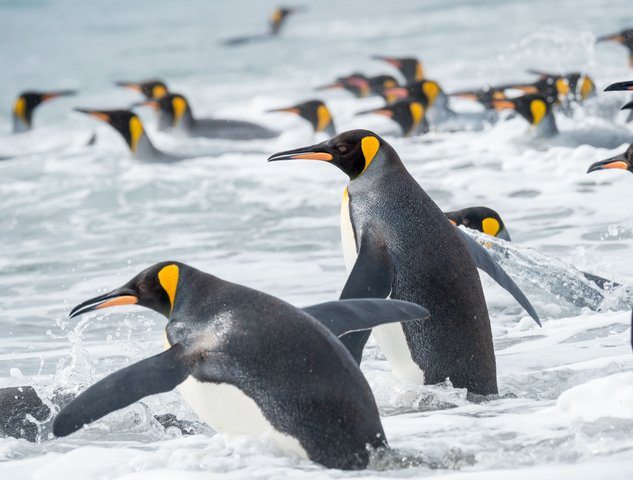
(250, 363)
(536, 109)
(26, 103)
(131, 128)
(421, 258)
(175, 113)
(408, 114)
(315, 112)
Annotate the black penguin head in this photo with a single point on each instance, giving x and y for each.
(356, 83)
(315, 112)
(410, 67)
(152, 89)
(625, 38)
(533, 107)
(172, 106)
(425, 91)
(623, 161)
(279, 16)
(553, 87)
(407, 113)
(483, 219)
(485, 96)
(28, 101)
(125, 122)
(351, 151)
(155, 288)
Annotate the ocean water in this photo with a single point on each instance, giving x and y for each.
(77, 221)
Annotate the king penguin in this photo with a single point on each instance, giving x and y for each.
(536, 109)
(249, 363)
(483, 219)
(131, 128)
(151, 89)
(175, 113)
(26, 103)
(315, 112)
(410, 68)
(421, 257)
(625, 38)
(408, 114)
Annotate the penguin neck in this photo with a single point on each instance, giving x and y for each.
(188, 121)
(385, 161)
(145, 149)
(547, 127)
(440, 111)
(20, 125)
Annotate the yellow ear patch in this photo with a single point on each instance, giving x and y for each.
(323, 118)
(158, 91)
(491, 226)
(562, 86)
(179, 105)
(168, 278)
(538, 108)
(136, 131)
(276, 17)
(369, 145)
(417, 114)
(586, 88)
(431, 90)
(20, 109)
(419, 72)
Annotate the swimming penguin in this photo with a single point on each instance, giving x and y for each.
(362, 86)
(579, 86)
(553, 89)
(623, 161)
(277, 20)
(26, 103)
(422, 258)
(315, 112)
(409, 67)
(438, 111)
(175, 114)
(535, 109)
(484, 96)
(483, 219)
(625, 37)
(249, 363)
(131, 128)
(408, 114)
(151, 89)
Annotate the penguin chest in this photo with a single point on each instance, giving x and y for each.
(227, 409)
(390, 338)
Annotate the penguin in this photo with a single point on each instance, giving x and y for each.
(579, 86)
(483, 219)
(438, 111)
(315, 112)
(276, 22)
(488, 221)
(625, 38)
(408, 114)
(421, 257)
(484, 96)
(131, 128)
(410, 68)
(26, 103)
(151, 89)
(553, 88)
(362, 86)
(249, 363)
(623, 161)
(535, 109)
(175, 114)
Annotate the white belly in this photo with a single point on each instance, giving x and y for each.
(226, 409)
(390, 338)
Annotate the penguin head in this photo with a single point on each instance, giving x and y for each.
(356, 83)
(155, 288)
(620, 87)
(625, 38)
(553, 87)
(582, 86)
(152, 89)
(27, 102)
(352, 151)
(485, 96)
(623, 161)
(407, 113)
(427, 92)
(125, 122)
(315, 112)
(279, 16)
(533, 107)
(410, 67)
(483, 219)
(173, 107)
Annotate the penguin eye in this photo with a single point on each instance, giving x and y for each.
(342, 148)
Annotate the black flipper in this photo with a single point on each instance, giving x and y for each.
(601, 282)
(354, 315)
(157, 374)
(485, 262)
(17, 406)
(371, 277)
